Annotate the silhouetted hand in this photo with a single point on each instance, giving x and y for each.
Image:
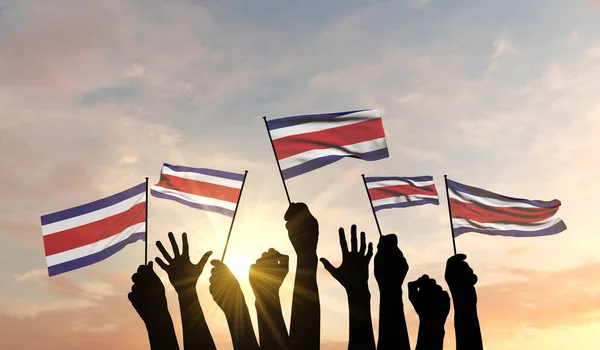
(266, 277)
(147, 293)
(390, 265)
(303, 229)
(226, 292)
(268, 273)
(461, 279)
(182, 273)
(430, 301)
(148, 298)
(353, 273)
(225, 288)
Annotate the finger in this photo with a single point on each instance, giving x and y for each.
(475, 279)
(204, 259)
(343, 243)
(363, 243)
(294, 210)
(130, 297)
(185, 246)
(216, 262)
(134, 277)
(327, 265)
(387, 241)
(163, 251)
(284, 260)
(369, 252)
(456, 258)
(151, 265)
(161, 264)
(174, 244)
(353, 244)
(413, 289)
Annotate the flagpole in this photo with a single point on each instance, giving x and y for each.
(234, 213)
(146, 239)
(277, 161)
(371, 202)
(450, 213)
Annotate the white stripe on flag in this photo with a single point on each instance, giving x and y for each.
(357, 148)
(491, 202)
(94, 216)
(202, 177)
(402, 199)
(322, 125)
(536, 226)
(195, 198)
(95, 247)
(389, 183)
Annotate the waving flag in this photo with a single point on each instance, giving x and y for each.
(204, 189)
(401, 192)
(478, 210)
(92, 232)
(308, 142)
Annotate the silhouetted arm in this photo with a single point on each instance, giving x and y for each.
(305, 324)
(390, 270)
(148, 298)
(227, 293)
(184, 275)
(353, 275)
(432, 304)
(266, 277)
(461, 281)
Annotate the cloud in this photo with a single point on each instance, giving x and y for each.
(117, 93)
(503, 46)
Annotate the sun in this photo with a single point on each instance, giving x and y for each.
(239, 264)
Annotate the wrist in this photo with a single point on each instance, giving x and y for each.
(267, 297)
(358, 295)
(308, 259)
(433, 327)
(186, 291)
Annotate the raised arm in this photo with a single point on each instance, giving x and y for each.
(266, 277)
(148, 298)
(227, 293)
(432, 304)
(305, 324)
(353, 275)
(390, 271)
(184, 275)
(461, 281)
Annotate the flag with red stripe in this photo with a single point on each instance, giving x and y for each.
(308, 142)
(482, 211)
(204, 189)
(401, 192)
(89, 233)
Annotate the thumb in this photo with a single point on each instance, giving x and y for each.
(327, 265)
(151, 264)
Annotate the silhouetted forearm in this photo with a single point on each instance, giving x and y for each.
(466, 326)
(161, 332)
(361, 326)
(271, 326)
(431, 336)
(305, 325)
(196, 335)
(240, 328)
(393, 332)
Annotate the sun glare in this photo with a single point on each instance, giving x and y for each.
(238, 264)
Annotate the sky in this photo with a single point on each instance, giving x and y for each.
(97, 94)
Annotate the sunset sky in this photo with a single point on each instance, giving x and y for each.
(97, 94)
